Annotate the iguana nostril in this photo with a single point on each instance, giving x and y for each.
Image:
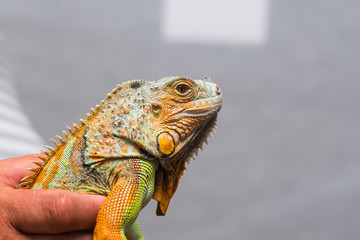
(218, 90)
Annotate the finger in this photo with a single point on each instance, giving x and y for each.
(14, 169)
(53, 211)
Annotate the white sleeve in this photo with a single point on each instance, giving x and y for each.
(17, 136)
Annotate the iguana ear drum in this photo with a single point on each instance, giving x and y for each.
(166, 143)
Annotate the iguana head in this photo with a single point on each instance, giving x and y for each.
(184, 113)
(169, 120)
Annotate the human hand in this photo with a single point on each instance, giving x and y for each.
(27, 214)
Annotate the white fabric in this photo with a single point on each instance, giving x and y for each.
(17, 137)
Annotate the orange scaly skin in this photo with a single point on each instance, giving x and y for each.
(132, 147)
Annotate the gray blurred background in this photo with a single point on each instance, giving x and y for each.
(284, 163)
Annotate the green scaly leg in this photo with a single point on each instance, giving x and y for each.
(134, 232)
(120, 209)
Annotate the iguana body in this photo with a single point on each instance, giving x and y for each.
(132, 147)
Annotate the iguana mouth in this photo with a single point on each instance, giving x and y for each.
(202, 111)
(204, 106)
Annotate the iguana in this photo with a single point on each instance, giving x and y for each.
(132, 147)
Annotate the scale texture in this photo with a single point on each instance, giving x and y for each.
(132, 147)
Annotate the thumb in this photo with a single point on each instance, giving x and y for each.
(52, 211)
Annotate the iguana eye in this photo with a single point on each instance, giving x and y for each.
(183, 89)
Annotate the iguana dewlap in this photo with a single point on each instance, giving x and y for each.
(132, 147)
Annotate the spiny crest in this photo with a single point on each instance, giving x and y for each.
(77, 127)
(55, 143)
(60, 141)
(26, 181)
(41, 157)
(108, 96)
(51, 149)
(134, 84)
